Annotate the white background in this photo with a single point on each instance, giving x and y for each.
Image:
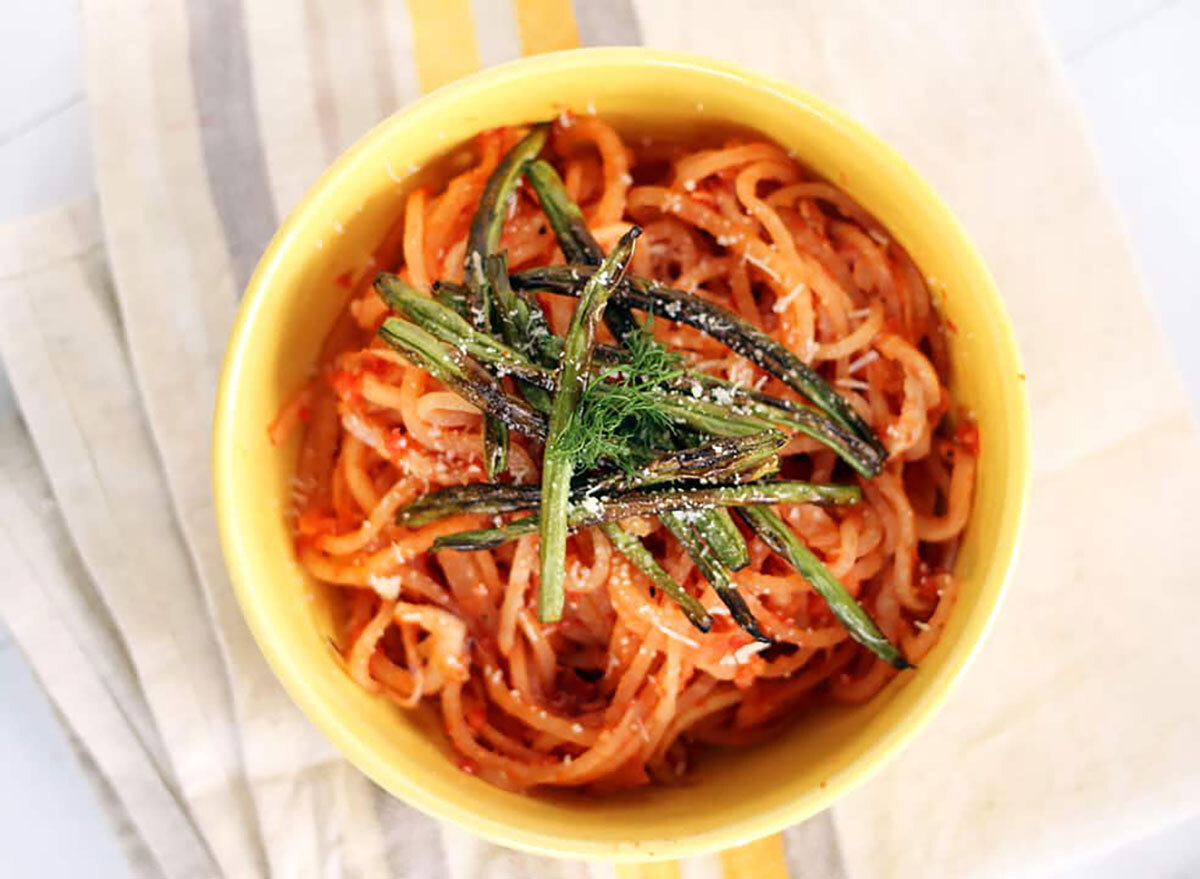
(1135, 67)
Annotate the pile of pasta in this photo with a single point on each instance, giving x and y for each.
(623, 690)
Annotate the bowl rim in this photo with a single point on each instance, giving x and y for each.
(238, 354)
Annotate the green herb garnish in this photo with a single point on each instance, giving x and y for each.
(620, 421)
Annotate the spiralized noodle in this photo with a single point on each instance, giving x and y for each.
(623, 690)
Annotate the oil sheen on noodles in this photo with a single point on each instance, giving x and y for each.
(623, 690)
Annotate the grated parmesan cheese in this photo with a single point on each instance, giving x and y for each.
(362, 432)
(385, 587)
(870, 357)
(743, 654)
(682, 639)
(722, 395)
(784, 301)
(761, 266)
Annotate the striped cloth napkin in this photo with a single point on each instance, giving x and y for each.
(1075, 730)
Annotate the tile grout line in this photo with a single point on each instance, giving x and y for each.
(32, 123)
(1115, 31)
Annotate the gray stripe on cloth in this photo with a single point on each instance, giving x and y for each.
(138, 856)
(234, 162)
(607, 24)
(496, 31)
(469, 857)
(380, 49)
(811, 849)
(323, 93)
(415, 849)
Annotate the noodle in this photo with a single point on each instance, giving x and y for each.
(624, 690)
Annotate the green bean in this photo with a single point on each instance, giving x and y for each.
(767, 468)
(597, 509)
(524, 326)
(633, 549)
(482, 240)
(557, 466)
(454, 297)
(683, 526)
(483, 497)
(462, 375)
(451, 295)
(566, 219)
(789, 415)
(777, 535)
(454, 330)
(528, 330)
(710, 461)
(488, 221)
(648, 501)
(487, 538)
(575, 240)
(709, 417)
(721, 534)
(714, 460)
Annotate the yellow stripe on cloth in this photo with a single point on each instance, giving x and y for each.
(656, 870)
(443, 40)
(546, 26)
(761, 859)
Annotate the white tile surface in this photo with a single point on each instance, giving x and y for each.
(50, 824)
(1078, 25)
(47, 165)
(1135, 65)
(1172, 854)
(45, 155)
(1137, 76)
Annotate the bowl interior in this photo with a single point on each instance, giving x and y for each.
(292, 300)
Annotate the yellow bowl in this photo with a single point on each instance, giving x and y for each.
(292, 300)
